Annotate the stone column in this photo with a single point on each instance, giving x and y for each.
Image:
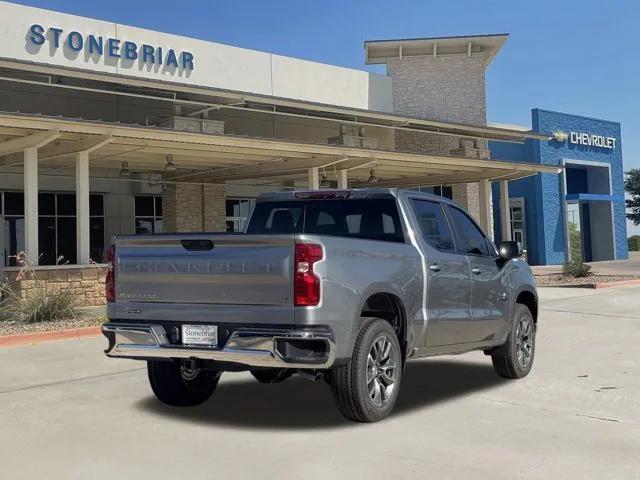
(215, 211)
(449, 88)
(194, 207)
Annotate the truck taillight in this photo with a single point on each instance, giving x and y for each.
(110, 282)
(306, 284)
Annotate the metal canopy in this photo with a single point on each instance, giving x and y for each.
(220, 158)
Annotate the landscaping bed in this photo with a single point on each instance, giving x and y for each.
(9, 327)
(559, 280)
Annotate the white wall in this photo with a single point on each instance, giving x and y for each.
(215, 65)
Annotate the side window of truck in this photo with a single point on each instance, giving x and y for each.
(433, 224)
(470, 239)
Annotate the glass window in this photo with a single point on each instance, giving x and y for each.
(144, 226)
(66, 204)
(145, 206)
(96, 239)
(433, 224)
(66, 240)
(13, 203)
(47, 204)
(158, 206)
(374, 219)
(469, 237)
(47, 240)
(148, 214)
(56, 227)
(13, 239)
(96, 205)
(238, 210)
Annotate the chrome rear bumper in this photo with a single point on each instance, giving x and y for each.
(251, 347)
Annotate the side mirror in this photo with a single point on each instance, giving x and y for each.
(510, 250)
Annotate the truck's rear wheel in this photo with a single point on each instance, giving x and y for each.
(272, 375)
(514, 359)
(178, 386)
(366, 389)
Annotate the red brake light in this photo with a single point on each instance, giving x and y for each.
(306, 285)
(322, 194)
(110, 281)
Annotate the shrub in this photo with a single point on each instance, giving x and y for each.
(575, 243)
(41, 304)
(634, 243)
(576, 269)
(6, 294)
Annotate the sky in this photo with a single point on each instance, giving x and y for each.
(579, 57)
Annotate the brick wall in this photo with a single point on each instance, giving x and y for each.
(86, 283)
(193, 207)
(450, 88)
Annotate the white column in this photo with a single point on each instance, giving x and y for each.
(82, 207)
(485, 207)
(505, 210)
(314, 178)
(343, 181)
(31, 205)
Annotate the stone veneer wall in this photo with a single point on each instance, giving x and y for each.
(194, 208)
(86, 283)
(450, 88)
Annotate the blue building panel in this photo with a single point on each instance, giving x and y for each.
(589, 147)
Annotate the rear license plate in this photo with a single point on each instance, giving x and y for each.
(200, 335)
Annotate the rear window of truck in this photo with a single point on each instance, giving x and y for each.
(372, 219)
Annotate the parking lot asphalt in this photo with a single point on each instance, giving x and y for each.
(68, 412)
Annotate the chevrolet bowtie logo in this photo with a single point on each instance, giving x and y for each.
(560, 136)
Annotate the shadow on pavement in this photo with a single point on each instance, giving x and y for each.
(299, 403)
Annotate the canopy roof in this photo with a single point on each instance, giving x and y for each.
(223, 157)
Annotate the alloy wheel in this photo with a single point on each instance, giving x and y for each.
(524, 341)
(381, 370)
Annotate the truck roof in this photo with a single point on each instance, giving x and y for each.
(355, 193)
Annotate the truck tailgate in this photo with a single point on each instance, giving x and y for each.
(205, 277)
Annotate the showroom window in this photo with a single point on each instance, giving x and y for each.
(445, 191)
(56, 227)
(238, 210)
(148, 214)
(12, 209)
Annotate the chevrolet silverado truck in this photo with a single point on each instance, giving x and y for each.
(344, 286)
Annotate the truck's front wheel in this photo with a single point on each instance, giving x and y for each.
(366, 389)
(178, 386)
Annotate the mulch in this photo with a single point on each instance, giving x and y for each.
(16, 328)
(591, 281)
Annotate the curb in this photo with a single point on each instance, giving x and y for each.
(596, 286)
(621, 283)
(41, 337)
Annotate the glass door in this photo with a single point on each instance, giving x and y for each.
(518, 229)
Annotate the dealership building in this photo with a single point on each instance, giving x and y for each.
(109, 129)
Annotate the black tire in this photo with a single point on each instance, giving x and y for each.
(508, 359)
(174, 388)
(272, 375)
(349, 383)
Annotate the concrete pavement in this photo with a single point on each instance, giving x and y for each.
(68, 412)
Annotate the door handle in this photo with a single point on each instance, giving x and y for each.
(476, 270)
(434, 267)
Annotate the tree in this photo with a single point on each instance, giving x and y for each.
(632, 186)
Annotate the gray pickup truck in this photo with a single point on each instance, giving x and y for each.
(341, 285)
